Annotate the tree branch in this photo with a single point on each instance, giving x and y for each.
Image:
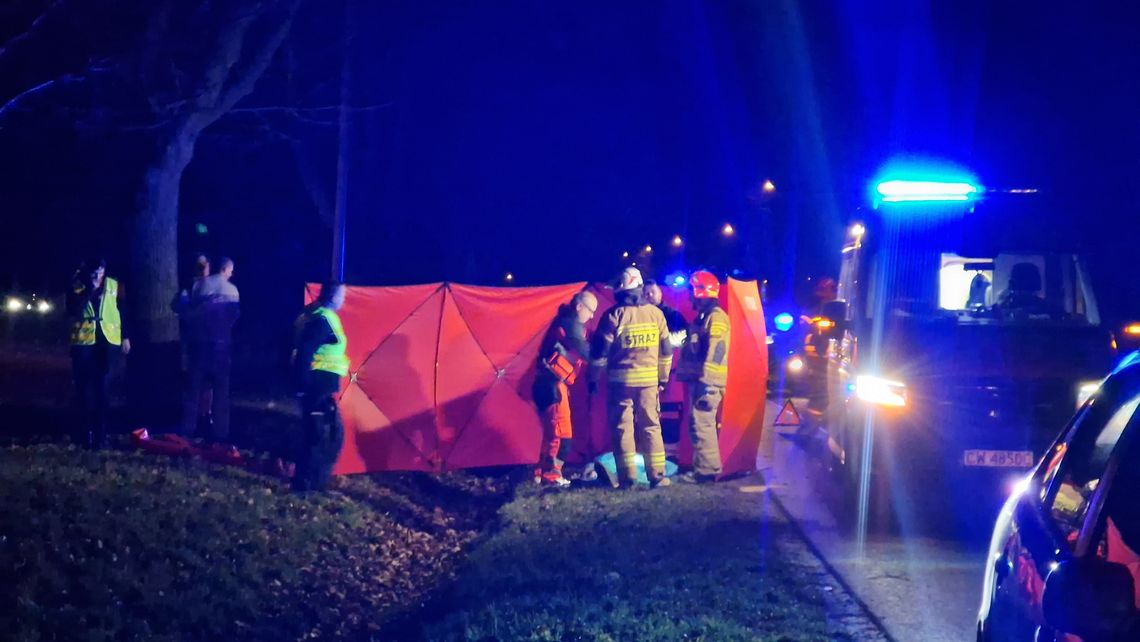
(32, 30)
(65, 79)
(243, 82)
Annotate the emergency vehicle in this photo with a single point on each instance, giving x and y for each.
(964, 338)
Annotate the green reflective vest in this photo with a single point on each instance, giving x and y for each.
(332, 357)
(83, 329)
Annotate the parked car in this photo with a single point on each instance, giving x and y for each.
(1064, 558)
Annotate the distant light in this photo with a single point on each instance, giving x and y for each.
(901, 191)
(825, 324)
(795, 364)
(678, 241)
(15, 305)
(784, 321)
(44, 307)
(201, 228)
(1023, 190)
(1132, 329)
(769, 186)
(510, 277)
(1054, 566)
(648, 249)
(634, 264)
(625, 255)
(857, 231)
(728, 230)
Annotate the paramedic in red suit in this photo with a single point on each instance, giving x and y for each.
(560, 357)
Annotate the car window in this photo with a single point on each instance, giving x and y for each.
(1073, 477)
(1119, 529)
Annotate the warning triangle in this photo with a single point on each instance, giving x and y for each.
(788, 415)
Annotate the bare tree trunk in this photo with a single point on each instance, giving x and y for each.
(154, 266)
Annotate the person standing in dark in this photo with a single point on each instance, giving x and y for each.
(676, 322)
(181, 307)
(215, 306)
(320, 361)
(98, 334)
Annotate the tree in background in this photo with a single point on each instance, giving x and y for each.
(156, 73)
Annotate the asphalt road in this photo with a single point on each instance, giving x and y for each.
(922, 588)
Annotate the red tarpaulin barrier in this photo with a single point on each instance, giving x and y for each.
(441, 376)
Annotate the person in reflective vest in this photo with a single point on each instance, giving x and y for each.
(321, 361)
(704, 367)
(98, 334)
(560, 357)
(631, 348)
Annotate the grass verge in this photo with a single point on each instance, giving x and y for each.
(679, 563)
(128, 546)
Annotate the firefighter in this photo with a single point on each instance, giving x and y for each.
(321, 361)
(704, 367)
(631, 346)
(815, 351)
(97, 334)
(560, 357)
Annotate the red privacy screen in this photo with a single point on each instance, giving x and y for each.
(441, 376)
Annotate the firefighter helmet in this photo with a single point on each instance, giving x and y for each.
(705, 285)
(629, 279)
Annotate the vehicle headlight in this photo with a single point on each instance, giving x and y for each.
(43, 307)
(15, 305)
(795, 364)
(1085, 390)
(880, 392)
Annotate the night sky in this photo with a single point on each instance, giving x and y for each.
(545, 139)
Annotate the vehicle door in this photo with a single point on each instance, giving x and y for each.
(1046, 523)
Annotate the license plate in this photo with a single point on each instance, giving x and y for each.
(999, 458)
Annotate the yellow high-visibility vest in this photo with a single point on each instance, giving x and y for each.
(332, 357)
(108, 320)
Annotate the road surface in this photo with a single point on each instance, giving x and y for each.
(922, 588)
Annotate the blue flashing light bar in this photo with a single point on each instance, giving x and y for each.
(904, 191)
(784, 321)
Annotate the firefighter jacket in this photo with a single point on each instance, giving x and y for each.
(631, 344)
(704, 357)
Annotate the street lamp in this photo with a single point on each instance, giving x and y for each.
(649, 249)
(625, 255)
(678, 241)
(769, 187)
(728, 230)
(509, 277)
(857, 231)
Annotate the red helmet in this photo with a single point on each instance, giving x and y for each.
(705, 285)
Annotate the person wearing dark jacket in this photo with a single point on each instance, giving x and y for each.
(320, 361)
(560, 357)
(98, 334)
(210, 317)
(676, 322)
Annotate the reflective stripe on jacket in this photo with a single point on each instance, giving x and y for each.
(704, 356)
(632, 346)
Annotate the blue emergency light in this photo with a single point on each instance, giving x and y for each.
(907, 191)
(679, 281)
(784, 321)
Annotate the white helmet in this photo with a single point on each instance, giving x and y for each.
(630, 279)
